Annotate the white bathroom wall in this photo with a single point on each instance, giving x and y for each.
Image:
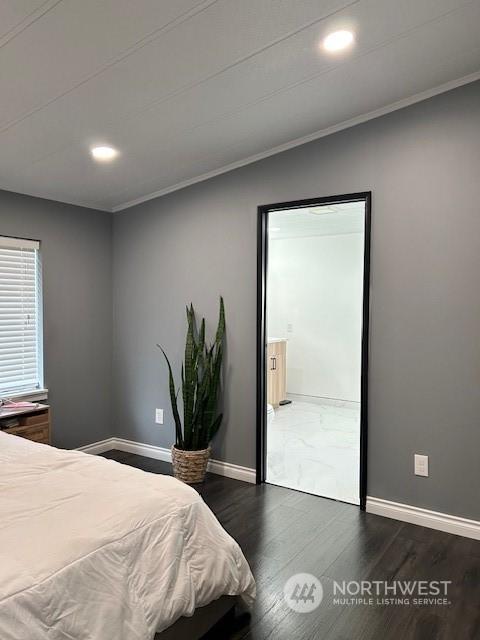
(315, 291)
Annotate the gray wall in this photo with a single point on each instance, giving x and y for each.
(422, 165)
(77, 287)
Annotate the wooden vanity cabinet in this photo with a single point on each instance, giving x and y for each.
(276, 372)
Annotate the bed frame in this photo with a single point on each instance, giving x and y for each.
(202, 620)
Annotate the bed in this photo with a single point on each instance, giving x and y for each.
(94, 550)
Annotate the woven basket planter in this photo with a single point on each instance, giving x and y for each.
(190, 466)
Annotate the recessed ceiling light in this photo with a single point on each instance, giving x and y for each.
(338, 40)
(104, 153)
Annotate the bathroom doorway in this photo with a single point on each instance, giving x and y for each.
(312, 345)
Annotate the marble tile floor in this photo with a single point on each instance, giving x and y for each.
(315, 448)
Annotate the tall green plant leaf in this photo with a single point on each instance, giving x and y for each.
(173, 401)
(201, 347)
(191, 379)
(214, 358)
(182, 375)
(221, 324)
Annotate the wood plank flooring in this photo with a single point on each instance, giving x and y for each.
(284, 532)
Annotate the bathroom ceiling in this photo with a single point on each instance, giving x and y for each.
(331, 220)
(186, 89)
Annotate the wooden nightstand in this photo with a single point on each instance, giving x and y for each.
(33, 423)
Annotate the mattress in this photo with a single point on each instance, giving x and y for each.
(94, 550)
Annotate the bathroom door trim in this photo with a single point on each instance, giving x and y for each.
(262, 258)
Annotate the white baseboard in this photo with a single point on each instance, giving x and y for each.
(424, 517)
(234, 471)
(98, 447)
(142, 449)
(218, 467)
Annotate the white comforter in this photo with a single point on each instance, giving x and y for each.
(94, 550)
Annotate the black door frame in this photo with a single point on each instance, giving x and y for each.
(262, 257)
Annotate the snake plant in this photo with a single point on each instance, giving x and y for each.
(201, 372)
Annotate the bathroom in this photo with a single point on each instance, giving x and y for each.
(314, 324)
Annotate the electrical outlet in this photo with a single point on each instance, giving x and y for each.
(421, 465)
(159, 416)
(290, 327)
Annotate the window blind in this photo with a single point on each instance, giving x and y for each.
(20, 317)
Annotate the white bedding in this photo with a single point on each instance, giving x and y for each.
(94, 550)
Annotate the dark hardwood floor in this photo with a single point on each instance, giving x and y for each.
(284, 532)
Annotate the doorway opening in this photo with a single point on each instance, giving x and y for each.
(312, 345)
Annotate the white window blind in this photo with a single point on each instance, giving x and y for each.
(20, 317)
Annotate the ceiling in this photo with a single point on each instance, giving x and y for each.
(187, 89)
(326, 220)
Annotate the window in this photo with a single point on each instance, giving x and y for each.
(21, 367)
